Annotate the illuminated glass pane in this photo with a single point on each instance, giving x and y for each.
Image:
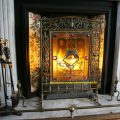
(34, 50)
(70, 56)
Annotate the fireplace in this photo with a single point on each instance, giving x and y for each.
(65, 49)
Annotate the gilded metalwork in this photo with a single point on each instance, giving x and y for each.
(70, 24)
(34, 50)
(70, 51)
(72, 108)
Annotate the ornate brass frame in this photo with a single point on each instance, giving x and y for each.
(70, 23)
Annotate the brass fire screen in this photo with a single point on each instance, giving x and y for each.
(70, 54)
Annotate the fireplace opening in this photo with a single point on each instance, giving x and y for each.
(66, 52)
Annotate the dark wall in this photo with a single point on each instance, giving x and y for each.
(64, 7)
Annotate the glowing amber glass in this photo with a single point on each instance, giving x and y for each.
(70, 51)
(34, 50)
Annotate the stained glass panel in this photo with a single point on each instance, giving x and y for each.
(70, 56)
(34, 50)
(102, 20)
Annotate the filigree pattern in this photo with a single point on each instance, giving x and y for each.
(45, 57)
(69, 23)
(101, 19)
(92, 28)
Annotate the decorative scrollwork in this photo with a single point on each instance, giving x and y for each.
(69, 23)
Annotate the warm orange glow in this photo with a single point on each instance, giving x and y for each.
(63, 67)
(101, 18)
(34, 51)
(70, 68)
(101, 51)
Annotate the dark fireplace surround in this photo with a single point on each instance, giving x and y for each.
(64, 7)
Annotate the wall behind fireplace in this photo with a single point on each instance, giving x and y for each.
(7, 31)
